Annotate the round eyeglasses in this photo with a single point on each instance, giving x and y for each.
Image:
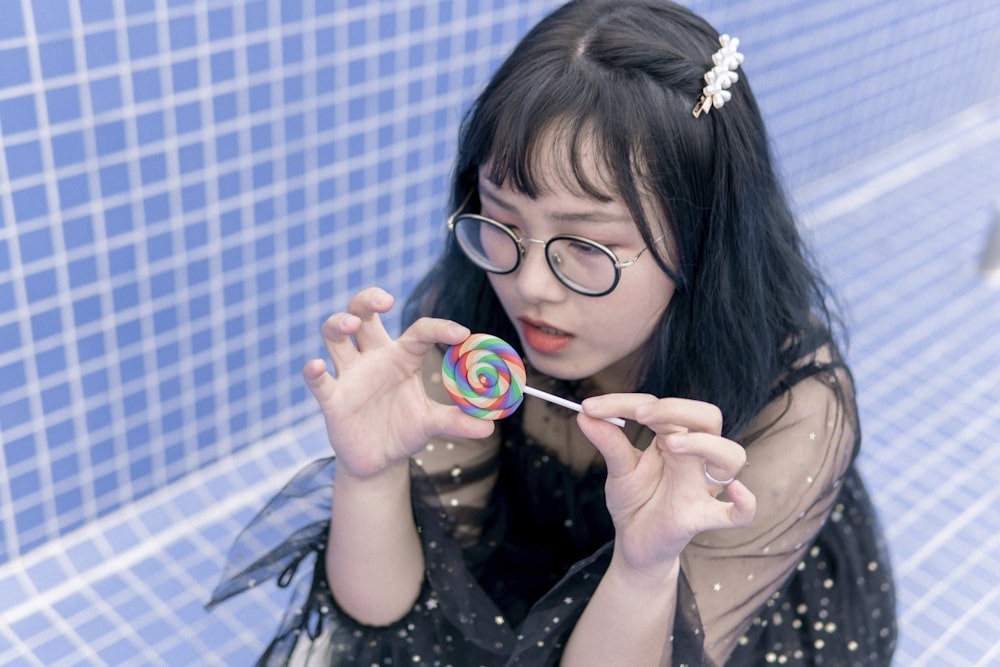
(581, 264)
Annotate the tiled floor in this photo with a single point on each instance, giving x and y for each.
(901, 238)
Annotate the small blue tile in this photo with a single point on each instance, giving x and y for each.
(121, 652)
(188, 117)
(193, 197)
(47, 574)
(95, 382)
(97, 418)
(73, 191)
(17, 114)
(41, 285)
(114, 179)
(12, 591)
(143, 40)
(65, 467)
(29, 519)
(11, 20)
(12, 376)
(121, 260)
(260, 97)
(91, 347)
(55, 649)
(55, 398)
(30, 203)
(153, 168)
(52, 16)
(93, 11)
(132, 368)
(101, 49)
(97, 629)
(146, 85)
(220, 24)
(59, 434)
(45, 324)
(167, 355)
(185, 75)
(110, 138)
(149, 127)
(118, 220)
(106, 94)
(256, 17)
(50, 362)
(16, 69)
(30, 626)
(183, 33)
(137, 7)
(224, 107)
(35, 245)
(68, 148)
(156, 208)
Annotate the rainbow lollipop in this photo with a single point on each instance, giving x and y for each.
(485, 377)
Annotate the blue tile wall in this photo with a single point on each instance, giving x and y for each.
(187, 189)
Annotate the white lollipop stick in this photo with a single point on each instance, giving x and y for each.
(558, 400)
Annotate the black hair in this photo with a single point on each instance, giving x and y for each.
(623, 76)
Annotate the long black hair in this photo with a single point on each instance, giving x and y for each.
(619, 79)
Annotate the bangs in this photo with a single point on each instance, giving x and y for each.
(556, 132)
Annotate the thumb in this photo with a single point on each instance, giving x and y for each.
(620, 456)
(451, 421)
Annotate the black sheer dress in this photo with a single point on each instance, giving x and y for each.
(516, 537)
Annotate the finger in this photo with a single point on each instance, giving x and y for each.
(616, 405)
(738, 512)
(667, 413)
(742, 509)
(338, 331)
(451, 421)
(427, 332)
(367, 305)
(620, 457)
(662, 415)
(320, 383)
(724, 459)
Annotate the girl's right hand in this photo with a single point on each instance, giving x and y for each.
(376, 410)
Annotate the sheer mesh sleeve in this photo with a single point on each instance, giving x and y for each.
(795, 465)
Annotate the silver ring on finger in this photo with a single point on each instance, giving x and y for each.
(720, 482)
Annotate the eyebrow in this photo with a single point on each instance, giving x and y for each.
(557, 216)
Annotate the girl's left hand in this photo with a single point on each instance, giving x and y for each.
(660, 498)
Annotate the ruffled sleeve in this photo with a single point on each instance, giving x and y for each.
(453, 618)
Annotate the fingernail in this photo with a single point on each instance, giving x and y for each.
(644, 411)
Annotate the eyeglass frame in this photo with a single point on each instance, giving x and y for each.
(519, 241)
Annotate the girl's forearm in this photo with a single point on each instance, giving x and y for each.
(374, 559)
(629, 621)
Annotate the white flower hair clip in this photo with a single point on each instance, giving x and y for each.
(721, 76)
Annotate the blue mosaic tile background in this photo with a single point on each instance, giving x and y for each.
(187, 189)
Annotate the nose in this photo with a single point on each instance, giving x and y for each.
(535, 280)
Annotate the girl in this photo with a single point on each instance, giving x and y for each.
(618, 219)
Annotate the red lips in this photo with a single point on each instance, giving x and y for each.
(543, 337)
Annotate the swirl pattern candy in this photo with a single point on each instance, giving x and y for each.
(484, 376)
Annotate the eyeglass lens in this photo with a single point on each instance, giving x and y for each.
(580, 264)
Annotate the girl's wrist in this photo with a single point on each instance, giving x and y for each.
(394, 476)
(647, 578)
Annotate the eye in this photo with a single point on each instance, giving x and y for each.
(583, 248)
